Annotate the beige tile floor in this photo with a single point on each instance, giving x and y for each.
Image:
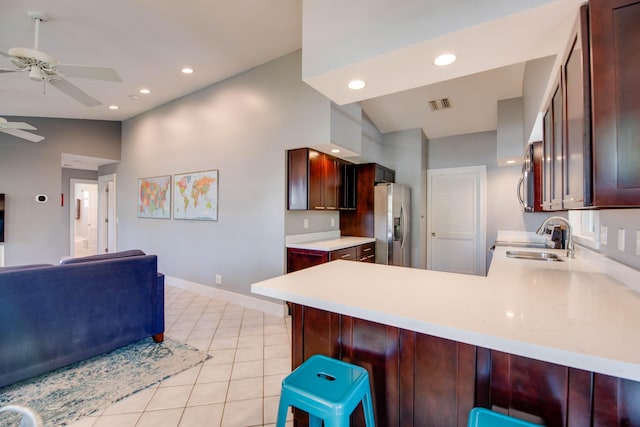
(239, 386)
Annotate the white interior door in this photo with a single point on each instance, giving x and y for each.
(456, 220)
(107, 221)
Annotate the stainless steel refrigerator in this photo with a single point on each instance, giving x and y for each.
(392, 224)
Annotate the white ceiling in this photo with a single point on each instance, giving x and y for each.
(149, 41)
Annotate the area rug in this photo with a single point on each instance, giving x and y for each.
(65, 395)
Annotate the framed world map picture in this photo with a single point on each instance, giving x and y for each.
(196, 195)
(154, 197)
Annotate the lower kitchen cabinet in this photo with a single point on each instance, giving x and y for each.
(298, 259)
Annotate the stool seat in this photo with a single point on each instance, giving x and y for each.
(328, 389)
(481, 417)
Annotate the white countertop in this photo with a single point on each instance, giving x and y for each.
(332, 244)
(562, 312)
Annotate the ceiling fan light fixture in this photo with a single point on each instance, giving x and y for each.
(35, 73)
(444, 59)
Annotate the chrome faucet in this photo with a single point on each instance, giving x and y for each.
(570, 249)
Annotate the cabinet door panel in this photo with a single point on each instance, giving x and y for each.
(557, 160)
(316, 180)
(298, 259)
(297, 179)
(331, 172)
(577, 148)
(615, 43)
(546, 159)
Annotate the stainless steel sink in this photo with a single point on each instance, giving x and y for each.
(540, 256)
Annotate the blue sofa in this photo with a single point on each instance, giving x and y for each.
(55, 315)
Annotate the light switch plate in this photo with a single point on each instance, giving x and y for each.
(333, 222)
(305, 223)
(621, 236)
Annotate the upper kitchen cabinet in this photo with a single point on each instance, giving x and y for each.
(592, 124)
(318, 181)
(615, 43)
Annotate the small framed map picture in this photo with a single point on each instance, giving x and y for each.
(196, 195)
(154, 197)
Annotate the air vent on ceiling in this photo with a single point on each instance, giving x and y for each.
(440, 104)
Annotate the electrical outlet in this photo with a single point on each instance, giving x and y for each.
(621, 235)
(603, 235)
(218, 279)
(305, 223)
(333, 222)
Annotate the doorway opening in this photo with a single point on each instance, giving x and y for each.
(83, 217)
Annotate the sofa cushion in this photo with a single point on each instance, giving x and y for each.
(101, 257)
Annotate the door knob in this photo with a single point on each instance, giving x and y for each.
(433, 234)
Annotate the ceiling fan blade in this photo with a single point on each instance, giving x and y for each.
(75, 92)
(8, 70)
(89, 72)
(24, 135)
(16, 125)
(4, 54)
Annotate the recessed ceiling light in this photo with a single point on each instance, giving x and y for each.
(335, 150)
(145, 91)
(187, 70)
(356, 84)
(444, 59)
(134, 97)
(510, 162)
(113, 107)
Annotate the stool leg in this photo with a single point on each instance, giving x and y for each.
(282, 414)
(314, 421)
(367, 405)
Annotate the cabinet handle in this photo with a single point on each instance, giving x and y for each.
(319, 207)
(366, 249)
(345, 255)
(330, 207)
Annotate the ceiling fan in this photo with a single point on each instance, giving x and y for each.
(43, 67)
(18, 129)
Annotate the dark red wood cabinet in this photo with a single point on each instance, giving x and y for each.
(422, 380)
(359, 222)
(318, 181)
(615, 43)
(593, 144)
(298, 259)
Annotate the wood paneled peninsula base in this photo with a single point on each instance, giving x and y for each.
(554, 342)
(423, 380)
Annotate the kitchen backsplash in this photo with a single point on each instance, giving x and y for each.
(629, 221)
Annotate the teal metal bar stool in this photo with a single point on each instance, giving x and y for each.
(481, 417)
(328, 390)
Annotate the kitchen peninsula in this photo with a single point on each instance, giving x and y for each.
(554, 342)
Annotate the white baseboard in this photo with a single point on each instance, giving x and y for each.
(273, 308)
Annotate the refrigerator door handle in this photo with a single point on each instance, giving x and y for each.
(403, 215)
